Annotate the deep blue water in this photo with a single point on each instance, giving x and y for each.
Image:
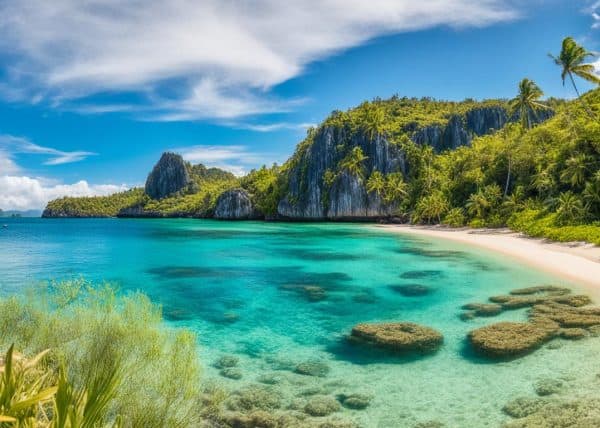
(242, 288)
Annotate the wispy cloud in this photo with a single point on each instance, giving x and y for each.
(236, 159)
(26, 193)
(271, 127)
(190, 59)
(11, 145)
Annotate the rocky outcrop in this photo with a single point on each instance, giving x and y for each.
(397, 337)
(310, 197)
(168, 176)
(235, 204)
(461, 129)
(67, 213)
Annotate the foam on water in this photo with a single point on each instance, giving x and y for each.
(243, 288)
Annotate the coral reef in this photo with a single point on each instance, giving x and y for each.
(583, 413)
(355, 401)
(321, 405)
(523, 406)
(547, 386)
(254, 397)
(508, 339)
(231, 373)
(397, 337)
(312, 368)
(411, 290)
(483, 309)
(227, 361)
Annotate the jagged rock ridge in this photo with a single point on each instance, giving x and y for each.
(235, 204)
(168, 176)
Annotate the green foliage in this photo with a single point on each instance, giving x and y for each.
(111, 354)
(455, 218)
(538, 223)
(353, 163)
(264, 186)
(97, 206)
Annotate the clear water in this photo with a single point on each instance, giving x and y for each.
(233, 283)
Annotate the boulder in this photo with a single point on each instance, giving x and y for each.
(169, 175)
(235, 204)
(398, 337)
(321, 405)
(312, 368)
(523, 406)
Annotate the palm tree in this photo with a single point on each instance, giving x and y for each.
(575, 170)
(376, 183)
(526, 103)
(570, 208)
(353, 162)
(571, 58)
(395, 187)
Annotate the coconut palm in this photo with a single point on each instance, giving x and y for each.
(570, 208)
(526, 103)
(376, 183)
(571, 59)
(395, 187)
(575, 170)
(353, 162)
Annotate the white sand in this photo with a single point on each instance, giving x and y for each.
(578, 262)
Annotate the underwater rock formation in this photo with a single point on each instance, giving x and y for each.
(398, 337)
(547, 386)
(235, 204)
(355, 401)
(321, 405)
(168, 176)
(523, 406)
(254, 397)
(227, 361)
(312, 368)
(508, 339)
(584, 413)
(481, 310)
(231, 373)
(411, 290)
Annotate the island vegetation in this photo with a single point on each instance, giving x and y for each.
(535, 168)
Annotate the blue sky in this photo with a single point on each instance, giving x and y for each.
(91, 93)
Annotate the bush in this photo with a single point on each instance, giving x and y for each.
(103, 339)
(455, 218)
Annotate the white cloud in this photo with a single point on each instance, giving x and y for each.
(10, 145)
(236, 159)
(270, 127)
(25, 193)
(223, 56)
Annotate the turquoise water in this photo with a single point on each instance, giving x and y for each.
(238, 285)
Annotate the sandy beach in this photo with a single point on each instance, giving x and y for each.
(577, 261)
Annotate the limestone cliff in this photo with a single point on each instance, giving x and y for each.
(235, 204)
(168, 176)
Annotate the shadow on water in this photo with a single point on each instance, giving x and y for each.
(419, 274)
(411, 290)
(318, 256)
(438, 254)
(343, 350)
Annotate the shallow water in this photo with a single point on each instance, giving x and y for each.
(240, 287)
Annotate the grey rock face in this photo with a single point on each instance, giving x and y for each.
(168, 176)
(311, 199)
(235, 205)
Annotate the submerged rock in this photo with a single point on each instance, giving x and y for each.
(312, 368)
(227, 361)
(169, 175)
(398, 337)
(235, 204)
(523, 406)
(546, 386)
(355, 401)
(321, 405)
(508, 339)
(483, 309)
(254, 397)
(411, 290)
(583, 413)
(231, 373)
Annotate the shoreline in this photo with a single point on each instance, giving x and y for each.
(578, 262)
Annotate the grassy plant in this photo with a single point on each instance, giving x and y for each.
(115, 361)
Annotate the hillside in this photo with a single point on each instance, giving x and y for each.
(423, 161)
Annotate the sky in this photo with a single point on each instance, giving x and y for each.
(93, 91)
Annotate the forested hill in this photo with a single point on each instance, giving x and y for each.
(403, 159)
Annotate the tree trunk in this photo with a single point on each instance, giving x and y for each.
(508, 177)
(587, 108)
